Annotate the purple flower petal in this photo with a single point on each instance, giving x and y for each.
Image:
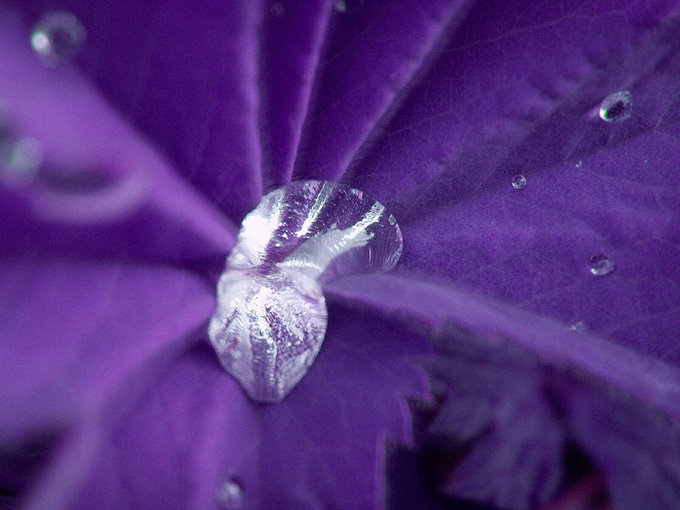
(323, 447)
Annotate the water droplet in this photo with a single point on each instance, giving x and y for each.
(617, 107)
(579, 164)
(271, 314)
(278, 10)
(601, 265)
(20, 159)
(519, 181)
(348, 5)
(74, 181)
(57, 36)
(229, 494)
(578, 326)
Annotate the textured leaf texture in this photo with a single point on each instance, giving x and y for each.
(456, 382)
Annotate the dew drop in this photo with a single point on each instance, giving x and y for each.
(617, 107)
(519, 181)
(577, 326)
(579, 164)
(229, 494)
(348, 5)
(20, 159)
(271, 313)
(57, 36)
(601, 265)
(278, 10)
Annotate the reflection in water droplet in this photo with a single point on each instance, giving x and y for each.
(57, 36)
(229, 494)
(278, 10)
(19, 160)
(348, 5)
(578, 326)
(601, 265)
(519, 181)
(616, 107)
(271, 314)
(75, 181)
(579, 164)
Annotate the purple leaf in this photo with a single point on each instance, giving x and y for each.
(185, 74)
(193, 428)
(135, 208)
(514, 389)
(516, 92)
(72, 332)
(365, 75)
(433, 108)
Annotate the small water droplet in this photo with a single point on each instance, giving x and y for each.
(578, 326)
(646, 161)
(57, 36)
(579, 164)
(348, 5)
(601, 265)
(278, 10)
(20, 159)
(519, 181)
(229, 494)
(617, 107)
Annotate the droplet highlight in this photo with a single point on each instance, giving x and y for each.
(229, 494)
(601, 265)
(57, 36)
(348, 5)
(20, 159)
(577, 326)
(271, 314)
(617, 107)
(278, 10)
(579, 164)
(519, 181)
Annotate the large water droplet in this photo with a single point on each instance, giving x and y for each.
(57, 36)
(601, 265)
(271, 314)
(519, 181)
(348, 5)
(617, 107)
(229, 494)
